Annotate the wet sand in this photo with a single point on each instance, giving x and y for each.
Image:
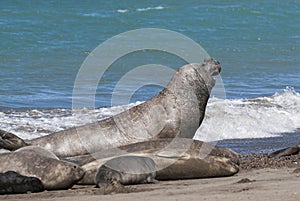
(259, 179)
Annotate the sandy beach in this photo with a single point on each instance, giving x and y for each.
(256, 184)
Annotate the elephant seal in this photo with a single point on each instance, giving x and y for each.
(154, 145)
(184, 159)
(285, 152)
(42, 164)
(125, 170)
(12, 182)
(177, 111)
(192, 166)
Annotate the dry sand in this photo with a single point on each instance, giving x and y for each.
(257, 184)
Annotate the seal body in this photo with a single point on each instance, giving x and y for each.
(126, 170)
(42, 164)
(174, 159)
(285, 152)
(12, 182)
(194, 167)
(177, 111)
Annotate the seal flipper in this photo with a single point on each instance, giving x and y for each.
(10, 141)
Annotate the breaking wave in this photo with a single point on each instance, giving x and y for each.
(225, 119)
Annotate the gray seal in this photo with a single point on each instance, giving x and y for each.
(42, 164)
(12, 183)
(126, 170)
(184, 159)
(285, 152)
(177, 111)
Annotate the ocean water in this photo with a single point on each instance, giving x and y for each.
(44, 43)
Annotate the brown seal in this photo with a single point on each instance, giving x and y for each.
(42, 164)
(285, 152)
(177, 111)
(126, 170)
(181, 159)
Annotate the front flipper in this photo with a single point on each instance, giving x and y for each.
(10, 141)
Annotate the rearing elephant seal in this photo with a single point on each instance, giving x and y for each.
(177, 111)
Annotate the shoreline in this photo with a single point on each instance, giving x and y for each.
(259, 178)
(255, 184)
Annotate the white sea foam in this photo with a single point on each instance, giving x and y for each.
(34, 123)
(122, 10)
(102, 15)
(251, 118)
(224, 119)
(141, 9)
(150, 8)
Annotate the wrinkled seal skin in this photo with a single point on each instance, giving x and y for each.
(12, 183)
(126, 170)
(174, 158)
(42, 164)
(177, 111)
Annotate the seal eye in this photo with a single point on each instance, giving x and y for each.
(75, 166)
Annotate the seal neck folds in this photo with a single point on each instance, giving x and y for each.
(190, 87)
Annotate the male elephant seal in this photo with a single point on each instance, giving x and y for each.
(184, 159)
(12, 182)
(125, 170)
(177, 111)
(42, 164)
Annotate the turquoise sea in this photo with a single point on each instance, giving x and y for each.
(44, 43)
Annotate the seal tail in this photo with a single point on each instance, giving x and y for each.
(10, 141)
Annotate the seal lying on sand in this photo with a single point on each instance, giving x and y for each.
(126, 170)
(177, 111)
(285, 152)
(174, 158)
(155, 145)
(42, 164)
(13, 182)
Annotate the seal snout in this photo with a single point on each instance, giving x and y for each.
(78, 172)
(218, 68)
(213, 66)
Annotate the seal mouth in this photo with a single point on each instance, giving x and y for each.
(212, 66)
(218, 68)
